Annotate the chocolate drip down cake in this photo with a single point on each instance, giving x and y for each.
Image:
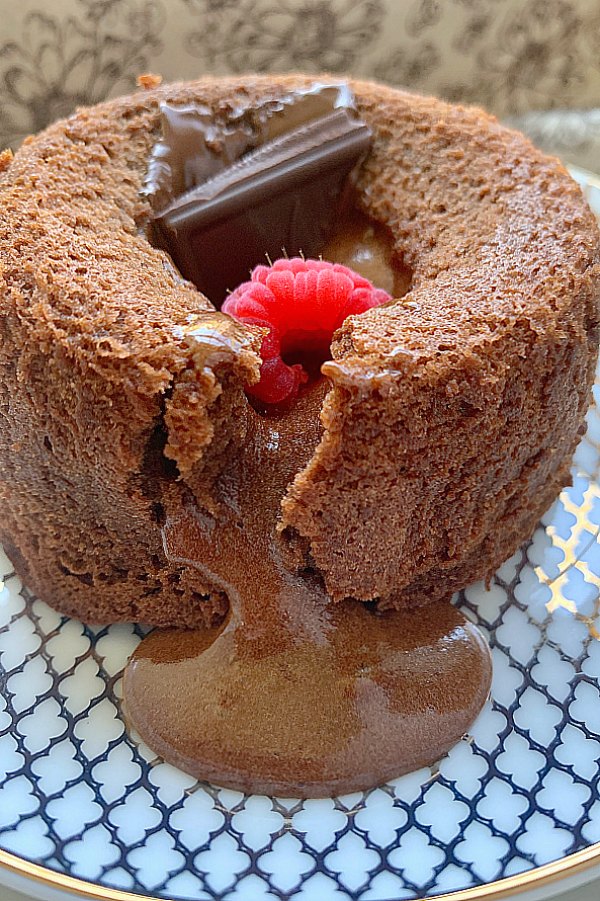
(273, 347)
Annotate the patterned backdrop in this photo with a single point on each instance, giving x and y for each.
(511, 56)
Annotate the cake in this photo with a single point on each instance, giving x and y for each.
(451, 414)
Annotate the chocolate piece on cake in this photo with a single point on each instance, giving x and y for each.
(285, 196)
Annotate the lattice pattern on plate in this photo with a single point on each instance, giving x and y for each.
(81, 796)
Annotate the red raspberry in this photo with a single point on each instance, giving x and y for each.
(302, 303)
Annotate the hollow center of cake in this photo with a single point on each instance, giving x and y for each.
(354, 240)
(308, 349)
(368, 248)
(295, 695)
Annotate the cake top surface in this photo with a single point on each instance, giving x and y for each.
(496, 237)
(491, 229)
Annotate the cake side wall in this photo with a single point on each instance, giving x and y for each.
(418, 490)
(439, 461)
(83, 485)
(89, 360)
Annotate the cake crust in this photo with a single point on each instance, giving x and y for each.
(452, 415)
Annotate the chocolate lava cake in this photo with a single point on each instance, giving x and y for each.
(451, 413)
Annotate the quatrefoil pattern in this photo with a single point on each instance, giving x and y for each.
(82, 796)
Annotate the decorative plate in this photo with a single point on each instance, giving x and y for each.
(86, 808)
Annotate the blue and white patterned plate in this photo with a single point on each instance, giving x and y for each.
(86, 808)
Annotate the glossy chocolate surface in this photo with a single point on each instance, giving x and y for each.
(196, 143)
(295, 695)
(265, 182)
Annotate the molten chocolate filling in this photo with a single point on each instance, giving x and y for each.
(292, 695)
(295, 695)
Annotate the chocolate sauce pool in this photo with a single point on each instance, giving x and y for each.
(294, 695)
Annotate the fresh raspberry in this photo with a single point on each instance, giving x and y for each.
(302, 303)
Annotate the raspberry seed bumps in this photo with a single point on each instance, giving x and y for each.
(301, 303)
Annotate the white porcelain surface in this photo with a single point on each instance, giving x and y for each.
(81, 796)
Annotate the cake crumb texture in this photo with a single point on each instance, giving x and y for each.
(452, 417)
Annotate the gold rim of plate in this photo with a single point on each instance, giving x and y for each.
(547, 874)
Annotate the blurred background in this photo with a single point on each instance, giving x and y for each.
(535, 63)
